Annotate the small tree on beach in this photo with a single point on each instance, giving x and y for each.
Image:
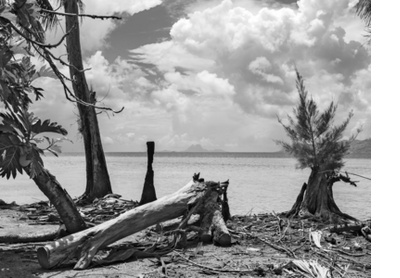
(317, 144)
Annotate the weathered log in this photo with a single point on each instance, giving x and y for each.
(213, 225)
(85, 244)
(220, 232)
(149, 192)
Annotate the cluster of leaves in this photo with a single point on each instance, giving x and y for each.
(363, 10)
(315, 141)
(20, 131)
(19, 142)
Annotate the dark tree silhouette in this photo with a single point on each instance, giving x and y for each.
(317, 144)
(363, 10)
(97, 178)
(22, 135)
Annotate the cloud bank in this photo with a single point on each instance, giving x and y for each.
(228, 71)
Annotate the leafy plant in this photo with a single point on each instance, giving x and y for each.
(21, 134)
(315, 142)
(22, 139)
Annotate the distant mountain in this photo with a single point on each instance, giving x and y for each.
(360, 149)
(197, 148)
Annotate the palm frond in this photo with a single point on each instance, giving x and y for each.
(363, 10)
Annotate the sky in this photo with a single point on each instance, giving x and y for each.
(215, 73)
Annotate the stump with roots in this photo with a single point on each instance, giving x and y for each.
(316, 199)
(197, 197)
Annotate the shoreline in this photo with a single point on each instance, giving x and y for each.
(258, 248)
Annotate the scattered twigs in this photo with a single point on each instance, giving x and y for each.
(217, 270)
(351, 254)
(276, 247)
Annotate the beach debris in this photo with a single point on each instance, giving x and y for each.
(312, 269)
(315, 237)
(3, 204)
(197, 197)
(100, 210)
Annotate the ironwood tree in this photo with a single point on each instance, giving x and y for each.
(317, 144)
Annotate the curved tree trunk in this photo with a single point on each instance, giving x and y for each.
(97, 178)
(60, 199)
(316, 199)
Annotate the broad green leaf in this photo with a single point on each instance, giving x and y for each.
(9, 155)
(36, 166)
(47, 126)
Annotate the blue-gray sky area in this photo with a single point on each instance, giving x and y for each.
(215, 73)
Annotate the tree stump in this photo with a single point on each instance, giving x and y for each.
(195, 197)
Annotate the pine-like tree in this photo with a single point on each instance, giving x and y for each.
(317, 144)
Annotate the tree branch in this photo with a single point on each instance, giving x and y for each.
(102, 17)
(340, 177)
(42, 45)
(68, 94)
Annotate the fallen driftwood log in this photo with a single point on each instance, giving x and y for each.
(197, 197)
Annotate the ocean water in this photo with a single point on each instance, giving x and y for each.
(259, 182)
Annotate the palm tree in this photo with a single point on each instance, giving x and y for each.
(317, 144)
(98, 182)
(363, 10)
(97, 178)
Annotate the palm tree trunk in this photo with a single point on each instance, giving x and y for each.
(97, 179)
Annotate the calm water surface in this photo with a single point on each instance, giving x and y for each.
(258, 182)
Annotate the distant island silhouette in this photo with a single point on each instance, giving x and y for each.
(197, 148)
(358, 149)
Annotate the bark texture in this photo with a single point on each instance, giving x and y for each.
(85, 244)
(60, 199)
(316, 199)
(97, 177)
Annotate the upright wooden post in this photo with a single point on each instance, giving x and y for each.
(149, 192)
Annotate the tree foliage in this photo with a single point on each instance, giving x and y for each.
(363, 10)
(22, 140)
(316, 142)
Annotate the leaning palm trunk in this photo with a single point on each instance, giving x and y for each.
(97, 178)
(60, 199)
